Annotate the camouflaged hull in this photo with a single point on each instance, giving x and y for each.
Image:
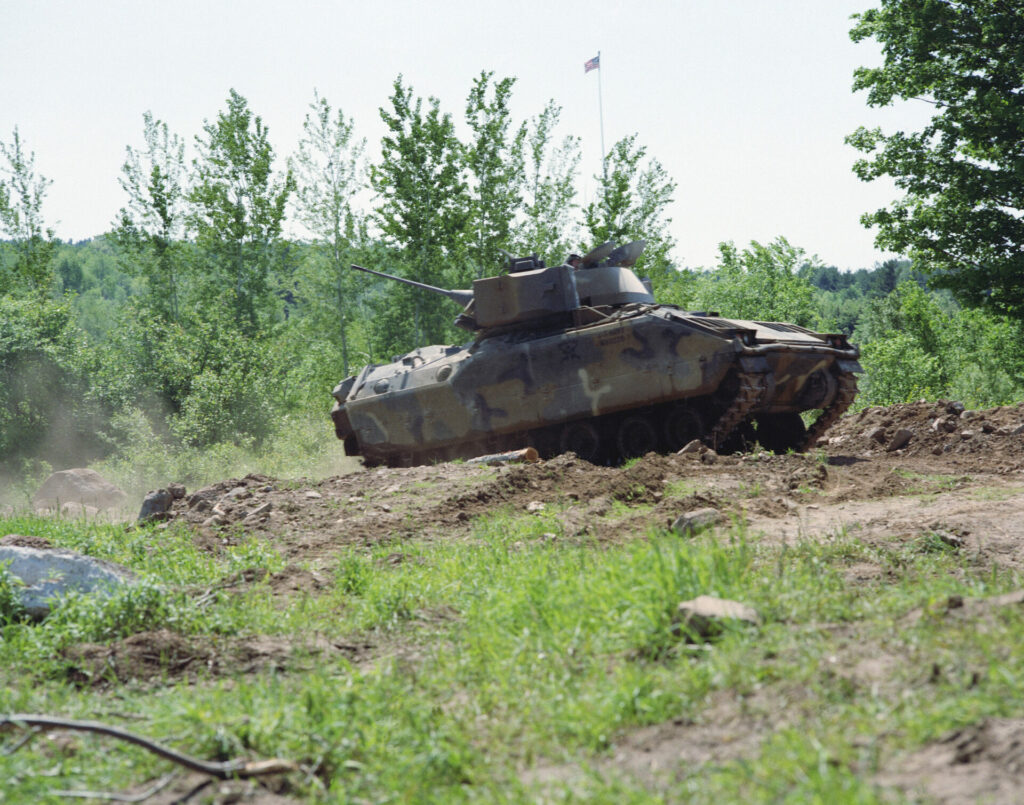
(609, 384)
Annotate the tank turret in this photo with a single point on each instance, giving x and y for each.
(530, 293)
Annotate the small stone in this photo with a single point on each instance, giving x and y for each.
(694, 522)
(968, 414)
(900, 439)
(705, 616)
(177, 490)
(966, 434)
(693, 446)
(937, 450)
(238, 493)
(215, 521)
(876, 434)
(75, 509)
(955, 408)
(534, 506)
(311, 495)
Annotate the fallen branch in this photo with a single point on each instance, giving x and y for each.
(229, 770)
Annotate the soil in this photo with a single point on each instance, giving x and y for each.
(919, 471)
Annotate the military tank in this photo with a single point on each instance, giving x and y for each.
(580, 357)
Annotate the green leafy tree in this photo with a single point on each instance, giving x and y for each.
(494, 159)
(423, 211)
(962, 213)
(151, 227)
(45, 406)
(550, 189)
(329, 173)
(22, 193)
(632, 204)
(763, 282)
(238, 207)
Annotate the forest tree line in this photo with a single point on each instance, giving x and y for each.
(197, 316)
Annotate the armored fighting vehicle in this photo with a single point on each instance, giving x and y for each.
(580, 357)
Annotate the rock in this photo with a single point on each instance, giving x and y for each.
(937, 450)
(262, 509)
(155, 505)
(709, 456)
(966, 434)
(944, 424)
(1017, 431)
(177, 491)
(955, 408)
(876, 434)
(987, 427)
(74, 509)
(238, 493)
(534, 506)
(50, 574)
(311, 495)
(78, 485)
(900, 439)
(694, 522)
(215, 521)
(705, 616)
(968, 414)
(694, 446)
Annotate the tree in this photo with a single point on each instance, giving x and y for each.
(550, 190)
(151, 227)
(762, 282)
(21, 200)
(495, 163)
(329, 171)
(423, 214)
(238, 209)
(962, 213)
(631, 204)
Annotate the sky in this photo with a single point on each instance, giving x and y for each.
(744, 102)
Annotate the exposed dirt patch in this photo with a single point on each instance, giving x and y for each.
(163, 655)
(980, 763)
(22, 541)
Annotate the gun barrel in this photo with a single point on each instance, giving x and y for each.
(462, 297)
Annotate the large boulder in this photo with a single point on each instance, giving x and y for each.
(49, 574)
(80, 485)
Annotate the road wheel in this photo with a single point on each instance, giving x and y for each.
(582, 439)
(682, 425)
(636, 437)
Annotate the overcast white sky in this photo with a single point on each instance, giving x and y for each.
(745, 102)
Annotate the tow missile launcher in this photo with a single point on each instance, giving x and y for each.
(580, 357)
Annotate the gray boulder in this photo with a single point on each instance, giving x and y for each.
(79, 485)
(51, 574)
(155, 505)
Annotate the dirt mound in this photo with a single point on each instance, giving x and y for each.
(945, 428)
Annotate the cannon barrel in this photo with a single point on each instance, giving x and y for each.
(462, 297)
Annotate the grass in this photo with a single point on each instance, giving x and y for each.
(520, 649)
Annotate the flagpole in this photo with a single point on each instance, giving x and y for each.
(600, 114)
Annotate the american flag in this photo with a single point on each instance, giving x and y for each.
(592, 64)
